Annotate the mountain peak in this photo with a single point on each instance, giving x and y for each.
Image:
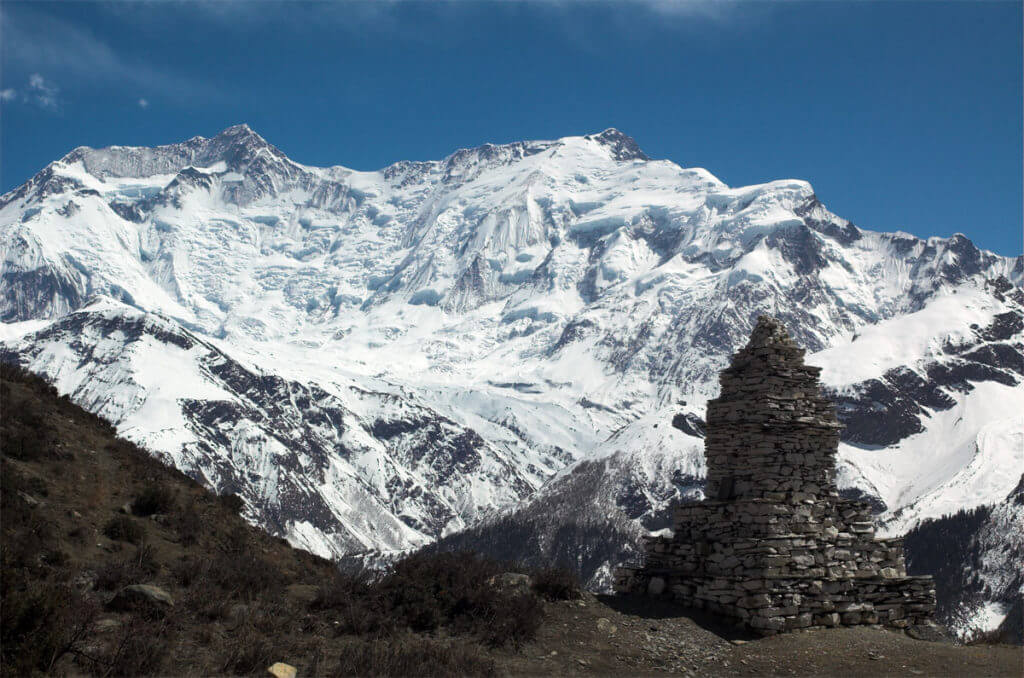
(239, 145)
(239, 135)
(623, 146)
(239, 131)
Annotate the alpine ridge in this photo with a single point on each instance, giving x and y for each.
(377, 360)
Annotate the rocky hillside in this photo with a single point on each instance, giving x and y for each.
(114, 564)
(975, 558)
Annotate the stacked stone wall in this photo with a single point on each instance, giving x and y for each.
(773, 604)
(775, 548)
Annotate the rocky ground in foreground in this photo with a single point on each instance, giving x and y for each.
(607, 635)
(115, 565)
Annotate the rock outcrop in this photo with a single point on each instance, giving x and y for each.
(773, 546)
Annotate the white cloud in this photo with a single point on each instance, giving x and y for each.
(38, 91)
(42, 92)
(143, 103)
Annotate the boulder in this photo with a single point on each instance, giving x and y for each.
(930, 632)
(141, 595)
(282, 670)
(29, 499)
(656, 586)
(512, 582)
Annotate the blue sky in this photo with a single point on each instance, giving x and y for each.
(903, 115)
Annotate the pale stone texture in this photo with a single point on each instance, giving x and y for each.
(282, 670)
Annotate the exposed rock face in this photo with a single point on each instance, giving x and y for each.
(774, 546)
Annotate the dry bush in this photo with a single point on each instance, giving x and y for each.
(189, 525)
(154, 498)
(240, 569)
(27, 535)
(140, 648)
(232, 502)
(40, 623)
(408, 655)
(116, 574)
(355, 606)
(190, 570)
(428, 591)
(512, 620)
(248, 652)
(123, 528)
(556, 583)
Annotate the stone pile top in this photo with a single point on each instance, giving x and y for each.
(770, 346)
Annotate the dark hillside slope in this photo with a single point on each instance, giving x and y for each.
(114, 564)
(975, 557)
(86, 514)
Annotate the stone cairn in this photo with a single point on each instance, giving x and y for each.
(773, 547)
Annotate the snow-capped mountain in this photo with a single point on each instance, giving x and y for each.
(374, 360)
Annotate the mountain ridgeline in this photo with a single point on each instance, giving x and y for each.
(373, 361)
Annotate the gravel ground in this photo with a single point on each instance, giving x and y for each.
(606, 635)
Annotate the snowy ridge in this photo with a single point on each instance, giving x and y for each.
(378, 359)
(383, 474)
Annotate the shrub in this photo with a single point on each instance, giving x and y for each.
(232, 502)
(29, 537)
(141, 648)
(248, 653)
(189, 525)
(513, 620)
(154, 498)
(244, 572)
(27, 445)
(114, 575)
(411, 656)
(355, 606)
(145, 559)
(189, 571)
(556, 583)
(427, 591)
(40, 623)
(123, 528)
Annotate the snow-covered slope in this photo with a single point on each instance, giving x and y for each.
(336, 467)
(377, 359)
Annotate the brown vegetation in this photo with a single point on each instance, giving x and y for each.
(86, 514)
